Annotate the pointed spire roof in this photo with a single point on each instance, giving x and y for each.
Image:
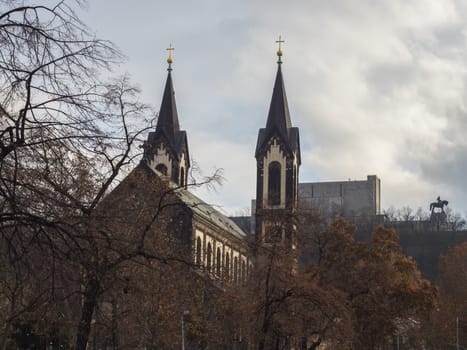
(279, 116)
(167, 122)
(279, 122)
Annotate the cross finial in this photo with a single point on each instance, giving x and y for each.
(279, 51)
(170, 59)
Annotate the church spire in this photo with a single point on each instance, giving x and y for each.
(167, 147)
(167, 122)
(277, 163)
(279, 116)
(278, 120)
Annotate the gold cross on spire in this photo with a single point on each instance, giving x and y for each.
(170, 59)
(279, 51)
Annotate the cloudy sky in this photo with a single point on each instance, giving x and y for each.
(376, 87)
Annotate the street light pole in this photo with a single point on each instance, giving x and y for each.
(183, 333)
(184, 313)
(457, 334)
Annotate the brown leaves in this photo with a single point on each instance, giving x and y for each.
(449, 322)
(381, 284)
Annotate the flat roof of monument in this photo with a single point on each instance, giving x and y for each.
(368, 178)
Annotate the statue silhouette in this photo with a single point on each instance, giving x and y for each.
(438, 204)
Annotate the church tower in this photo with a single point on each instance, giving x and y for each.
(278, 161)
(166, 149)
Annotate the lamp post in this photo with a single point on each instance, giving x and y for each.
(457, 334)
(184, 313)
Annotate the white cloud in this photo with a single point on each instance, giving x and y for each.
(376, 87)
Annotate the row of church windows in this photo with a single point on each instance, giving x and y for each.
(221, 266)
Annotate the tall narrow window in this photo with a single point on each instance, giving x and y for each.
(235, 270)
(243, 274)
(218, 262)
(182, 177)
(209, 257)
(274, 183)
(175, 174)
(198, 251)
(227, 266)
(161, 168)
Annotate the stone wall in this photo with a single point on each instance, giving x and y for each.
(426, 244)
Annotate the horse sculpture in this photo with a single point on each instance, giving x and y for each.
(439, 204)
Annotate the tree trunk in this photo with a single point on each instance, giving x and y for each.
(3, 341)
(264, 331)
(89, 305)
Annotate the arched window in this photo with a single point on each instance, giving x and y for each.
(227, 266)
(218, 262)
(235, 271)
(182, 177)
(161, 168)
(198, 251)
(209, 257)
(274, 183)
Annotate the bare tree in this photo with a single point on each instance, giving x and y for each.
(66, 137)
(49, 77)
(455, 220)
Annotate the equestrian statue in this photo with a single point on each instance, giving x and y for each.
(438, 204)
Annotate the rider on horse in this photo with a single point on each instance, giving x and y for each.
(439, 204)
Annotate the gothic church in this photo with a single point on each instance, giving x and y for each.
(218, 243)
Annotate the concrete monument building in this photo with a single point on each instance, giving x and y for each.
(348, 199)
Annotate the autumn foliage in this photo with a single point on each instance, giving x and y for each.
(348, 295)
(447, 326)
